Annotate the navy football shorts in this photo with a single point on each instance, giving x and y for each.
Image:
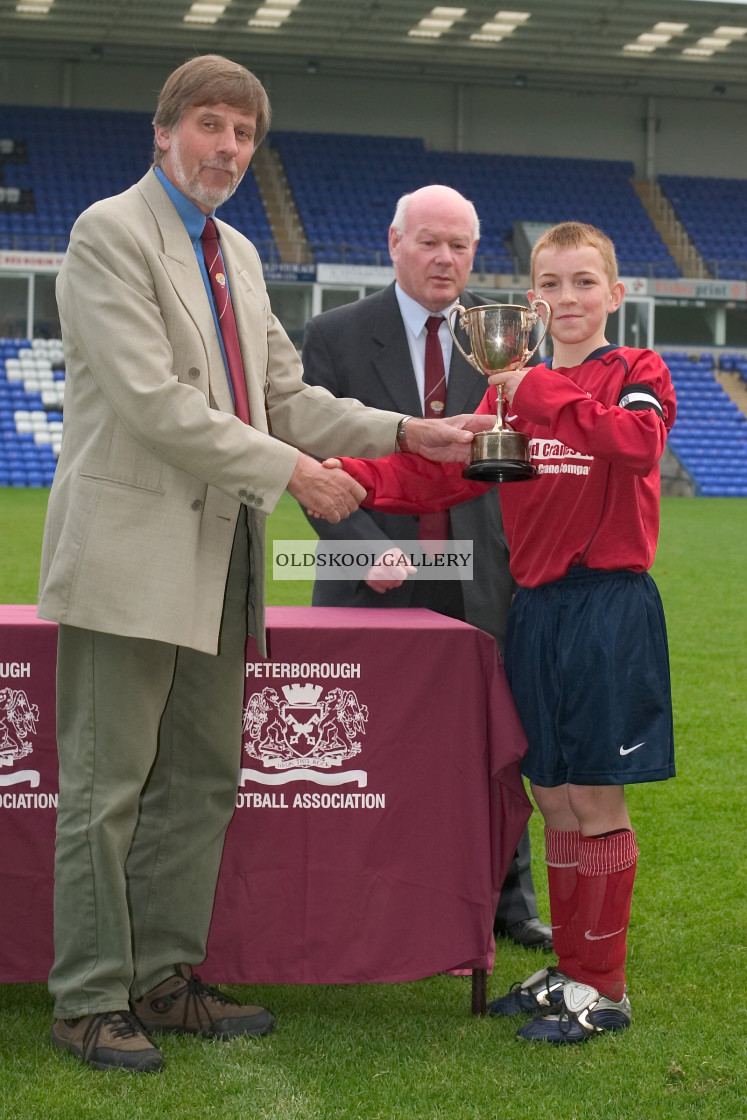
(588, 665)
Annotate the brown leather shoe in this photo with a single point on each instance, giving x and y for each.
(109, 1040)
(182, 1004)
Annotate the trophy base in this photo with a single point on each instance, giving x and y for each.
(499, 470)
(500, 456)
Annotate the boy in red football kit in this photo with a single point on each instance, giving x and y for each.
(586, 648)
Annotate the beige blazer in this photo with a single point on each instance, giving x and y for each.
(154, 465)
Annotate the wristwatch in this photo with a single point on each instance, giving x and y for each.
(402, 434)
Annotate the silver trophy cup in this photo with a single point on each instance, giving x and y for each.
(499, 334)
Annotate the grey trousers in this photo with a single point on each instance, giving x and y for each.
(149, 743)
(517, 900)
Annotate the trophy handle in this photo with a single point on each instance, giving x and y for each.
(462, 310)
(530, 353)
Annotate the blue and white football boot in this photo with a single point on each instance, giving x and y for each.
(582, 1014)
(543, 989)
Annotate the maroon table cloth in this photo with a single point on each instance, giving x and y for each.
(379, 806)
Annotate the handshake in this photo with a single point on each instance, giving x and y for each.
(328, 492)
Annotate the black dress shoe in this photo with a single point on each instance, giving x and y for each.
(531, 933)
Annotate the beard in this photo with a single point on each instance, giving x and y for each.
(194, 188)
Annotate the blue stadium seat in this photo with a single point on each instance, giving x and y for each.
(65, 180)
(710, 434)
(714, 213)
(353, 182)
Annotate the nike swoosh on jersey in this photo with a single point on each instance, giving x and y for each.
(629, 750)
(602, 936)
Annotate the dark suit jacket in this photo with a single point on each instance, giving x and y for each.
(361, 351)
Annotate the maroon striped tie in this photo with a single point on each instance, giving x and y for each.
(219, 285)
(434, 526)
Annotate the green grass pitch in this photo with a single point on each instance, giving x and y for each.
(412, 1051)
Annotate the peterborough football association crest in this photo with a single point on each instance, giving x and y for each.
(303, 729)
(18, 722)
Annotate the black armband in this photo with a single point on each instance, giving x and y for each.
(635, 397)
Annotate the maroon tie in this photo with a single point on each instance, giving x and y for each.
(434, 397)
(434, 526)
(219, 285)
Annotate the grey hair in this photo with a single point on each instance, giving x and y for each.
(399, 221)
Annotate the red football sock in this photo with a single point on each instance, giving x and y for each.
(606, 873)
(561, 856)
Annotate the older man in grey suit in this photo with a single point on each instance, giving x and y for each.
(375, 350)
(153, 564)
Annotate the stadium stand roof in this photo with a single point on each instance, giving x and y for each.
(577, 43)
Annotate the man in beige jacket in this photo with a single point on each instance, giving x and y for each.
(153, 566)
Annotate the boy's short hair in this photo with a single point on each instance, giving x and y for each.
(210, 79)
(571, 235)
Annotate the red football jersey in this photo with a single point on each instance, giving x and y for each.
(597, 432)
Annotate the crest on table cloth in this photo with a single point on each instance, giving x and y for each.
(304, 728)
(18, 722)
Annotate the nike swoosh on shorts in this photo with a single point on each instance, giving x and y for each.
(629, 750)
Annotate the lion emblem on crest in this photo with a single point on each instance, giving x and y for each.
(304, 728)
(18, 720)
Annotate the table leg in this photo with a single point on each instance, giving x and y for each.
(479, 991)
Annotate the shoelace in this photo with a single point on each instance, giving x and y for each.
(525, 998)
(549, 979)
(198, 990)
(197, 995)
(123, 1024)
(566, 1019)
(551, 972)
